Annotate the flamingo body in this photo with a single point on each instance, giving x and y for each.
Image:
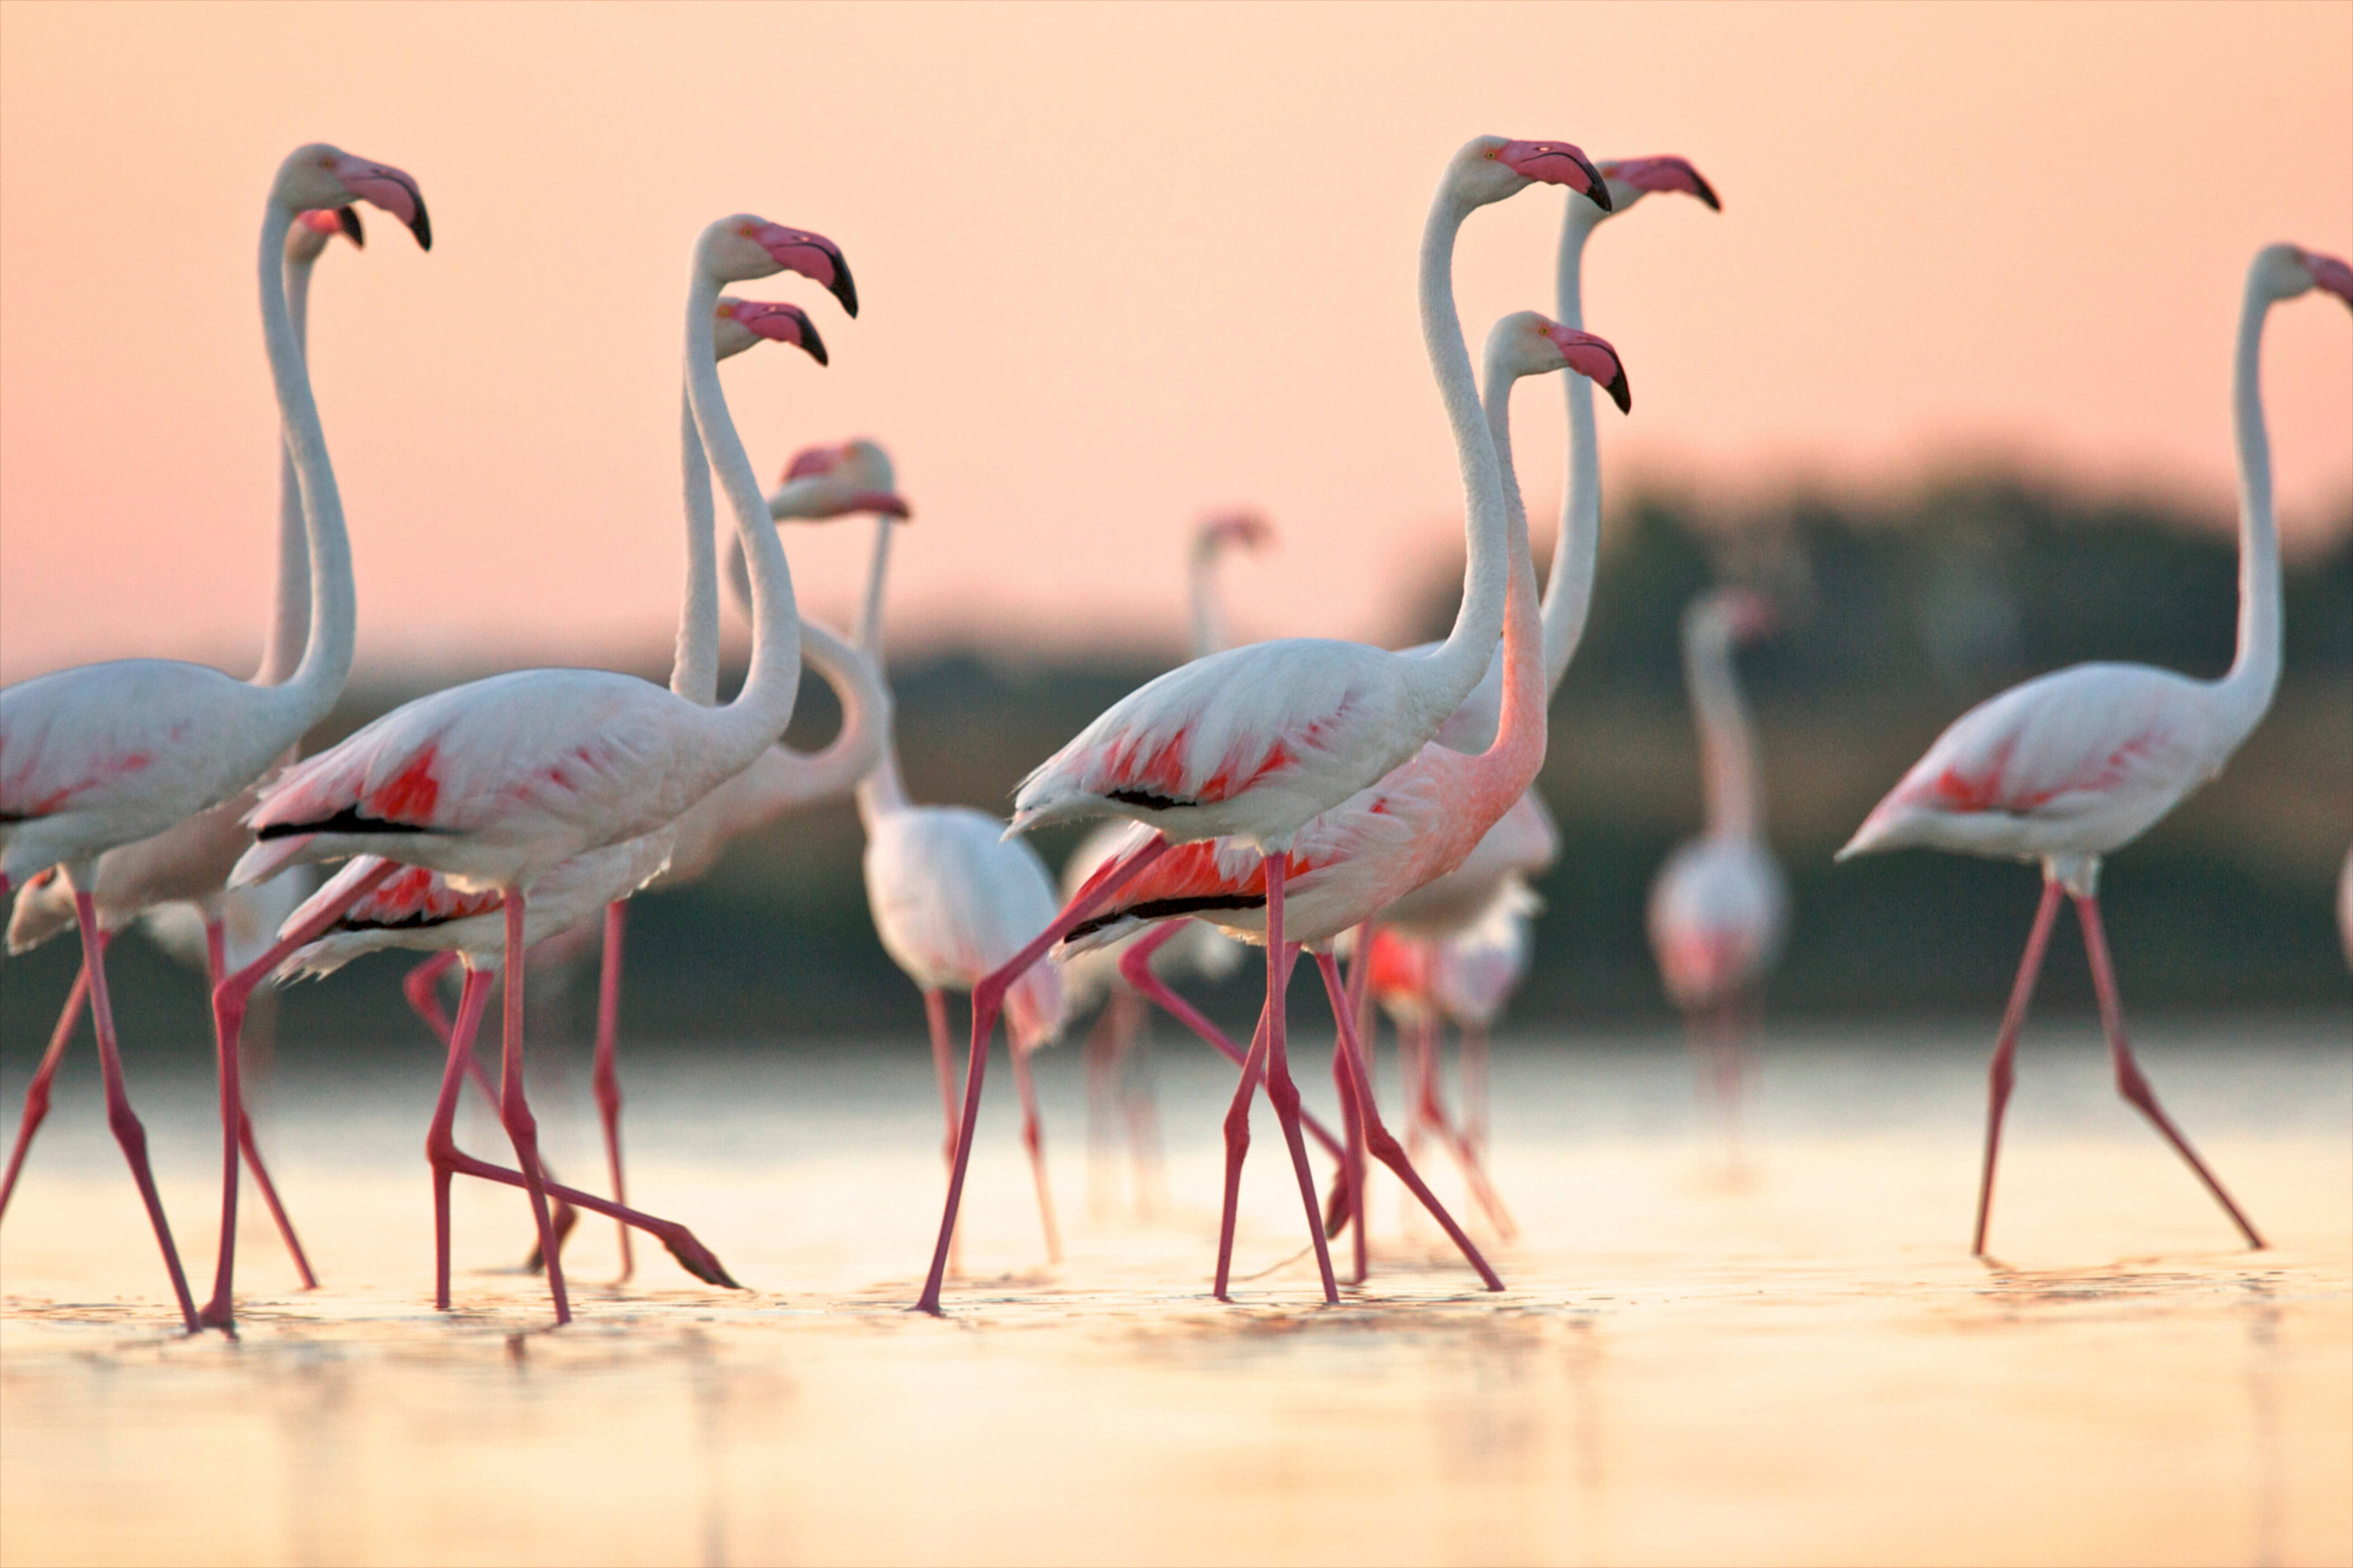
(1718, 915)
(953, 898)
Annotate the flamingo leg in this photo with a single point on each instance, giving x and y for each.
(1474, 1090)
(2130, 1083)
(128, 1132)
(36, 1093)
(216, 963)
(606, 1076)
(1135, 968)
(2002, 1073)
(1237, 1129)
(1033, 1139)
(1450, 1138)
(987, 1002)
(523, 1127)
(230, 998)
(1279, 1089)
(440, 1140)
(420, 985)
(1382, 1144)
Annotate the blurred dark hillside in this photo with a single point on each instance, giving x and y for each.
(1901, 615)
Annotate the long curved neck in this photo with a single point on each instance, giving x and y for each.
(762, 709)
(1208, 613)
(695, 665)
(880, 791)
(1449, 673)
(318, 678)
(2246, 690)
(1511, 761)
(862, 744)
(290, 618)
(1727, 748)
(1569, 589)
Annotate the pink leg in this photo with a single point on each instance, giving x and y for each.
(1474, 1090)
(421, 986)
(230, 998)
(36, 1093)
(1433, 1110)
(987, 1001)
(2003, 1071)
(216, 963)
(1237, 1150)
(128, 1132)
(440, 1140)
(1383, 1146)
(1033, 1139)
(523, 1127)
(2129, 1082)
(606, 1076)
(1279, 1087)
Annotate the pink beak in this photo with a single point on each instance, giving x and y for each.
(1663, 173)
(1557, 163)
(783, 324)
(390, 189)
(815, 258)
(882, 502)
(2330, 274)
(1593, 358)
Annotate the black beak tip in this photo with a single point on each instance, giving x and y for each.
(421, 227)
(843, 287)
(1705, 193)
(811, 344)
(348, 218)
(1598, 193)
(1620, 393)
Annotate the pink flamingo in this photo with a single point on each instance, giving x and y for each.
(1418, 822)
(104, 755)
(952, 897)
(1719, 906)
(1256, 740)
(1523, 843)
(497, 783)
(2075, 764)
(188, 862)
(1192, 948)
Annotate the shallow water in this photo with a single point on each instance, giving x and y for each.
(1798, 1363)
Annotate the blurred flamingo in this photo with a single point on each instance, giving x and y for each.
(1193, 949)
(1719, 906)
(1419, 822)
(2074, 764)
(188, 862)
(497, 783)
(1256, 740)
(952, 896)
(98, 757)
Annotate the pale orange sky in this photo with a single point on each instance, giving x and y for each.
(1118, 266)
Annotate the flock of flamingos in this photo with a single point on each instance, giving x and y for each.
(1286, 793)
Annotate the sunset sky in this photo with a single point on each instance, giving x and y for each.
(1118, 266)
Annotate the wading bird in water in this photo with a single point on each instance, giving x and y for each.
(1419, 821)
(497, 783)
(2074, 765)
(104, 755)
(1255, 741)
(188, 862)
(1718, 907)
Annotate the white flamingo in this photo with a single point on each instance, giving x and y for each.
(186, 867)
(106, 755)
(2075, 764)
(497, 783)
(1719, 906)
(1254, 742)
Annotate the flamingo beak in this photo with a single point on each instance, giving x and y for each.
(2330, 275)
(393, 191)
(1557, 163)
(784, 324)
(814, 257)
(348, 220)
(1593, 358)
(888, 503)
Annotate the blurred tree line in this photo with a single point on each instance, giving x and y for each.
(1900, 613)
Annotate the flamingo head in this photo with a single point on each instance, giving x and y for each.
(1240, 530)
(327, 177)
(1528, 343)
(1490, 168)
(736, 249)
(740, 324)
(838, 481)
(308, 239)
(1632, 179)
(2287, 270)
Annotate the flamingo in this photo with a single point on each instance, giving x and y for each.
(953, 897)
(1719, 906)
(1193, 948)
(104, 755)
(1418, 822)
(422, 913)
(189, 861)
(2074, 765)
(497, 783)
(1256, 740)
(1524, 843)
